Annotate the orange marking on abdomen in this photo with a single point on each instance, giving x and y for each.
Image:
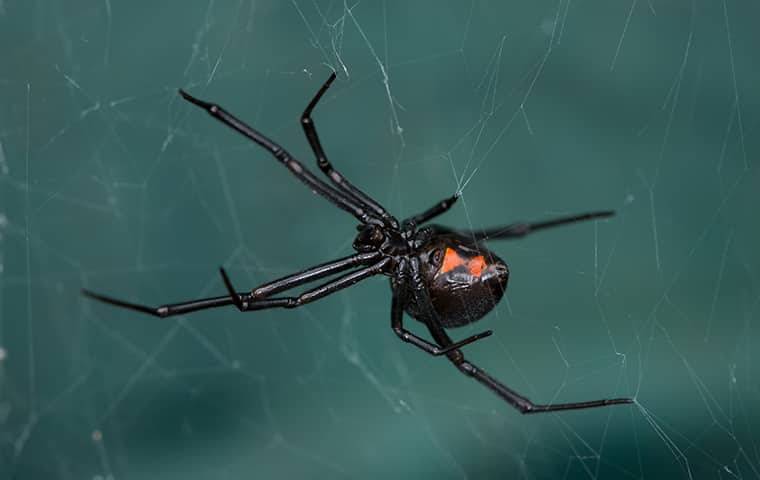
(451, 260)
(477, 265)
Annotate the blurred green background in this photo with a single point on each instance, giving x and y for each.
(532, 109)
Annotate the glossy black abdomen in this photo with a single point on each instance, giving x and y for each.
(464, 282)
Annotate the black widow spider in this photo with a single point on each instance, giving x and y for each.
(444, 278)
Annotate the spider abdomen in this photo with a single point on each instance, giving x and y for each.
(464, 281)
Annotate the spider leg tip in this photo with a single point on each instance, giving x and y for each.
(90, 294)
(223, 273)
(193, 100)
(227, 282)
(236, 298)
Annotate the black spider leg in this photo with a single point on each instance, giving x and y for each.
(517, 230)
(316, 185)
(284, 283)
(313, 273)
(359, 197)
(400, 297)
(432, 212)
(246, 302)
(521, 403)
(164, 310)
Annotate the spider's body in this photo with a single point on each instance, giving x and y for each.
(442, 277)
(464, 280)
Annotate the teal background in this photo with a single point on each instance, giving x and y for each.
(533, 109)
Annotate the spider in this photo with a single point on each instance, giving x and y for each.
(443, 278)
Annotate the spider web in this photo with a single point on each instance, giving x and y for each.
(108, 180)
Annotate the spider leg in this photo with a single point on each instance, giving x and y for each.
(434, 211)
(337, 197)
(397, 316)
(164, 310)
(517, 230)
(257, 294)
(310, 129)
(516, 400)
(313, 273)
(399, 300)
(246, 302)
(521, 403)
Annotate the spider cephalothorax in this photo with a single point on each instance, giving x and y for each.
(373, 238)
(442, 277)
